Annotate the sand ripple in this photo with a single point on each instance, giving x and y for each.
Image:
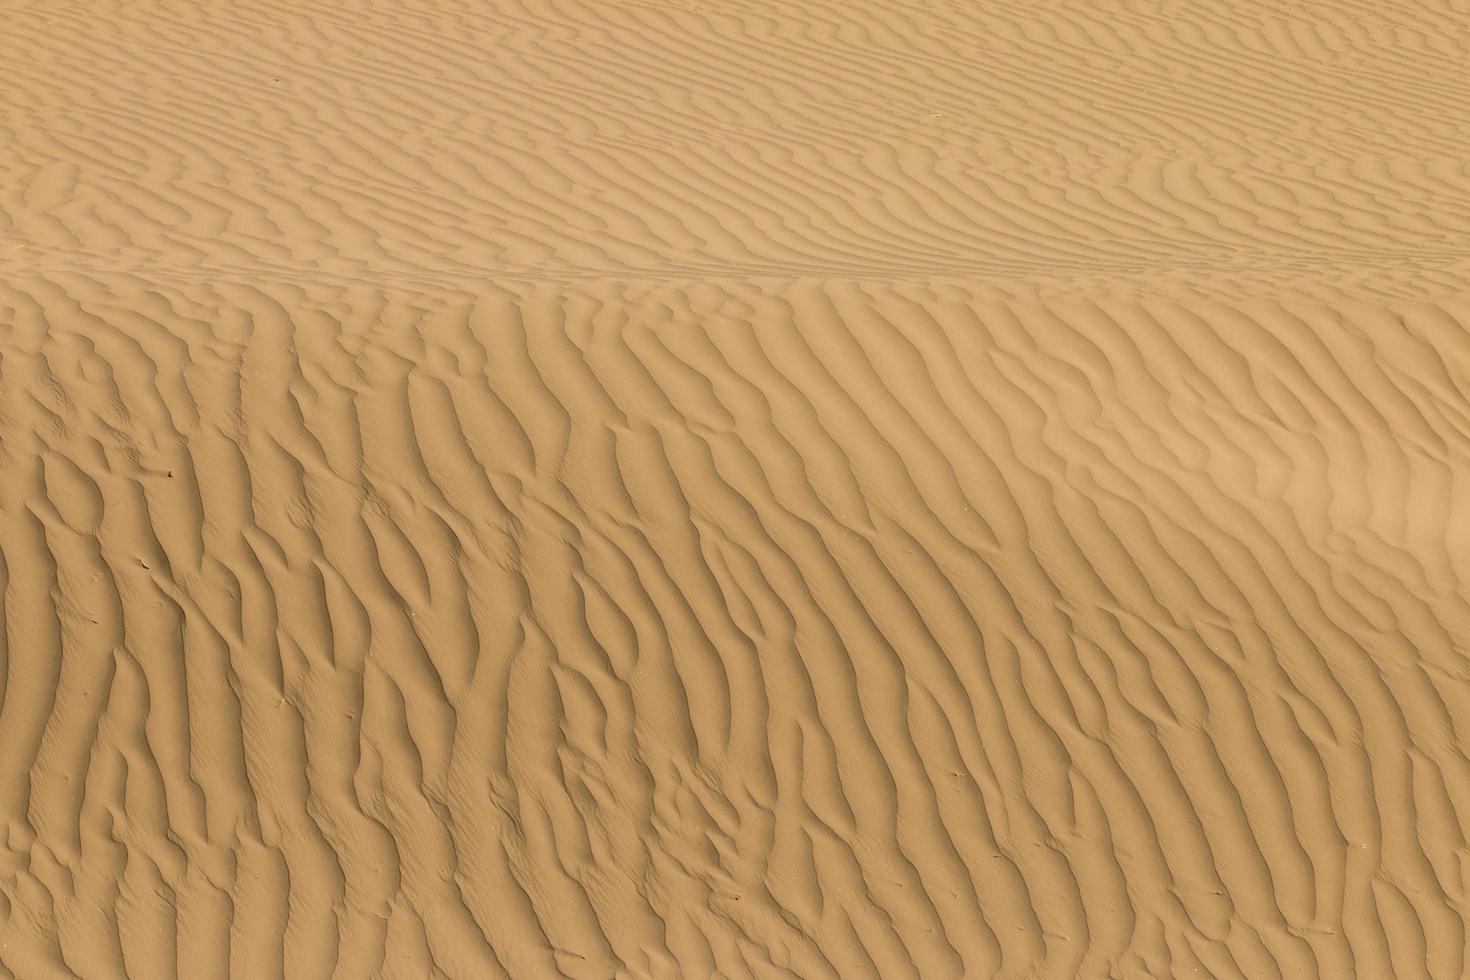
(819, 629)
(734, 488)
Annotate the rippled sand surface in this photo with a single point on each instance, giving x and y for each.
(734, 489)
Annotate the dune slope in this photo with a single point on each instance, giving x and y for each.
(758, 489)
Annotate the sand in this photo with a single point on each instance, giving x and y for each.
(602, 488)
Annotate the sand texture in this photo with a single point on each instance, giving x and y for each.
(734, 489)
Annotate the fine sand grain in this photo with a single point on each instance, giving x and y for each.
(734, 489)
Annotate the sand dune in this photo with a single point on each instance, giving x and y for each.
(734, 489)
(454, 138)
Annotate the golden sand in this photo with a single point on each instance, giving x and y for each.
(598, 488)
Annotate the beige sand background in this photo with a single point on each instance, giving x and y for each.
(857, 489)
